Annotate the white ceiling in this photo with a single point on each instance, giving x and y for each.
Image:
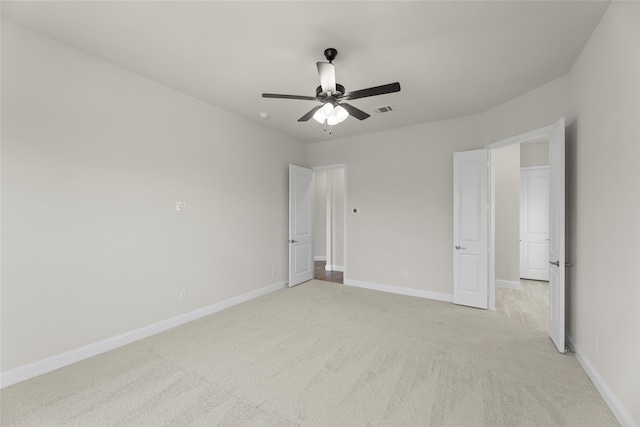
(451, 58)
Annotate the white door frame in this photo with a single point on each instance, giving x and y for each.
(345, 218)
(518, 139)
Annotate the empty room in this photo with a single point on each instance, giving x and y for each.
(311, 213)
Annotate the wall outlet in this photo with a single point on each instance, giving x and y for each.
(181, 206)
(183, 295)
(405, 274)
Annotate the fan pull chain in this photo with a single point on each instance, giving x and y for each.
(325, 127)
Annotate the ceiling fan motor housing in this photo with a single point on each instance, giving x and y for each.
(330, 54)
(339, 91)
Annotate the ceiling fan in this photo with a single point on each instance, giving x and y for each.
(332, 110)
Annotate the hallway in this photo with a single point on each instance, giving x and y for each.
(328, 276)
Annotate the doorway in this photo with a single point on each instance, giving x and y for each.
(555, 134)
(522, 212)
(522, 232)
(329, 223)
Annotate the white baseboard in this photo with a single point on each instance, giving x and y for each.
(25, 372)
(334, 268)
(513, 284)
(400, 290)
(618, 410)
(319, 258)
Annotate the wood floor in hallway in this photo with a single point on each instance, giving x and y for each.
(328, 276)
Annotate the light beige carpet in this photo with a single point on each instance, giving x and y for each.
(322, 354)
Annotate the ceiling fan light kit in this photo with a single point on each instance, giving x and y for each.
(331, 95)
(332, 115)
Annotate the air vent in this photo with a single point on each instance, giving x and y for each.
(385, 109)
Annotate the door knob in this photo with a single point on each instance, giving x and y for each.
(557, 263)
(293, 241)
(460, 247)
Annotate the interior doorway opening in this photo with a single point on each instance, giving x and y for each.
(329, 223)
(522, 232)
(555, 134)
(521, 212)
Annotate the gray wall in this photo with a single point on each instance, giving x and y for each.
(93, 160)
(507, 186)
(329, 217)
(320, 216)
(604, 204)
(402, 180)
(534, 154)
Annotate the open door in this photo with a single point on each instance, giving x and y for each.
(470, 228)
(300, 225)
(556, 234)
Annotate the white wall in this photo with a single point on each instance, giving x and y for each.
(604, 204)
(507, 187)
(93, 160)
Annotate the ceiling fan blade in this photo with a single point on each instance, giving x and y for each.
(309, 114)
(327, 72)
(373, 91)
(355, 112)
(276, 95)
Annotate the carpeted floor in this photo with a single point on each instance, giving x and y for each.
(322, 354)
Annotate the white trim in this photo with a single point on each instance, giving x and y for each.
(491, 235)
(25, 372)
(532, 168)
(334, 268)
(616, 407)
(513, 284)
(400, 290)
(325, 167)
(523, 137)
(319, 258)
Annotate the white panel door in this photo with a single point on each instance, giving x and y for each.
(556, 234)
(534, 223)
(300, 225)
(470, 228)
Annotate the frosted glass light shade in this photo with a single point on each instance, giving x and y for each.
(333, 115)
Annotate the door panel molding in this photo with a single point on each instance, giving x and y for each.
(470, 228)
(301, 265)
